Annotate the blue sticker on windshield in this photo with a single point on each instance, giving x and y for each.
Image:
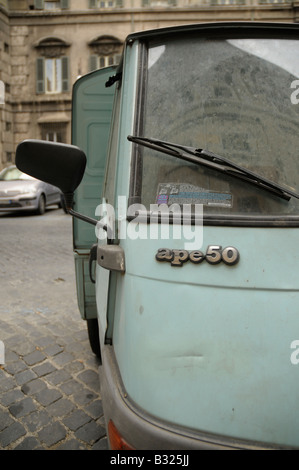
(182, 193)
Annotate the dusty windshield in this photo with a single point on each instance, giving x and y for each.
(237, 98)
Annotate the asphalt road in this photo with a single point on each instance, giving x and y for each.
(49, 385)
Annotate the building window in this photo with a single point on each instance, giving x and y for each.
(159, 3)
(101, 61)
(105, 4)
(228, 2)
(52, 67)
(106, 51)
(51, 5)
(275, 1)
(52, 75)
(54, 132)
(106, 61)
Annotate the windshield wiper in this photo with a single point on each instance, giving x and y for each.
(216, 162)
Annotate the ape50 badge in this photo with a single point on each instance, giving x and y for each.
(213, 255)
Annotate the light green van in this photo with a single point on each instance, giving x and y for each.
(186, 226)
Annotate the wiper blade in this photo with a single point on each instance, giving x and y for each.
(214, 161)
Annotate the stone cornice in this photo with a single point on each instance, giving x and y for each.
(3, 13)
(169, 15)
(157, 10)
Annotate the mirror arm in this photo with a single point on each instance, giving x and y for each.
(82, 217)
(68, 198)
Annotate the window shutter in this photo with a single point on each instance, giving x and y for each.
(65, 74)
(64, 4)
(118, 3)
(172, 3)
(40, 75)
(145, 3)
(93, 63)
(92, 4)
(39, 4)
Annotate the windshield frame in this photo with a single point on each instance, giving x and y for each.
(208, 31)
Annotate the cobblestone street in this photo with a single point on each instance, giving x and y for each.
(49, 386)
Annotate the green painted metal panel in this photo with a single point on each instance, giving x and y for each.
(216, 355)
(91, 118)
(85, 289)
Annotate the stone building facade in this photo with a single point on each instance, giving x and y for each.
(46, 45)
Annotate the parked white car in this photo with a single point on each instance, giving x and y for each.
(19, 192)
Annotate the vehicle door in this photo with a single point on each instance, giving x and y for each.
(91, 117)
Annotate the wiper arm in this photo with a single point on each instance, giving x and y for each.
(216, 162)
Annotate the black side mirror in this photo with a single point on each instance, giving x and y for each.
(59, 164)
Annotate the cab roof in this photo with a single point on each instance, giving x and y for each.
(231, 29)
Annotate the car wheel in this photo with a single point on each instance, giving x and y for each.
(93, 336)
(41, 208)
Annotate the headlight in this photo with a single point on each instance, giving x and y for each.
(28, 192)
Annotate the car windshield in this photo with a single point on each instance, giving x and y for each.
(13, 174)
(236, 98)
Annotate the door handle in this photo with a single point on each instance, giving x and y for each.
(92, 258)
